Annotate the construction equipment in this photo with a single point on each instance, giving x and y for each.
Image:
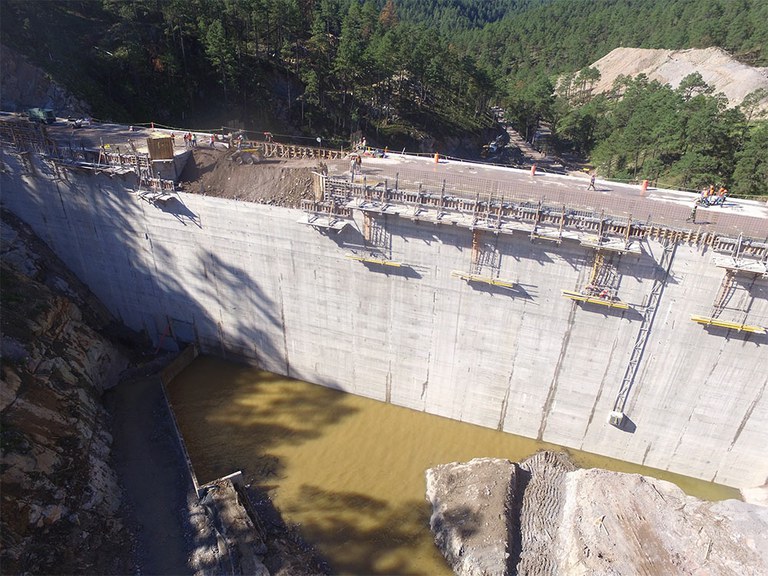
(42, 115)
(246, 156)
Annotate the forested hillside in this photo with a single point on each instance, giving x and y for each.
(409, 73)
(566, 35)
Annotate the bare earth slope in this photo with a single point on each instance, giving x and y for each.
(717, 68)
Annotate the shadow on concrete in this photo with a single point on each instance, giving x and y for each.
(731, 334)
(402, 271)
(179, 210)
(629, 313)
(627, 425)
(516, 292)
(149, 462)
(644, 266)
(753, 284)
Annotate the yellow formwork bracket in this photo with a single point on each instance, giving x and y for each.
(371, 260)
(730, 325)
(579, 297)
(483, 279)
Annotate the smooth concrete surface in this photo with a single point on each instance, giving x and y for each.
(247, 281)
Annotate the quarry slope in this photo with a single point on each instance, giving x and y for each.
(717, 68)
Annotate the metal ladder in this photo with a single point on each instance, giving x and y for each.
(645, 326)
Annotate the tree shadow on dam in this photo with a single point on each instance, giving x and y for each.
(145, 263)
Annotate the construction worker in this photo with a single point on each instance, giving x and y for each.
(692, 215)
(722, 194)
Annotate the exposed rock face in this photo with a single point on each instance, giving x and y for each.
(26, 86)
(469, 514)
(59, 493)
(544, 517)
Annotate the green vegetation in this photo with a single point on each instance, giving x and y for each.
(683, 137)
(403, 71)
(329, 67)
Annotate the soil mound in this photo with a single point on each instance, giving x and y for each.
(276, 182)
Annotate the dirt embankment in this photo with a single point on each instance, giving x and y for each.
(268, 181)
(543, 517)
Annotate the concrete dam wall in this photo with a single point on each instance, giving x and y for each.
(251, 281)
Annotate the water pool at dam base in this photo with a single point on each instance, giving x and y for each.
(347, 470)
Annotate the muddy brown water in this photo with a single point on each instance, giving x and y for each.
(348, 470)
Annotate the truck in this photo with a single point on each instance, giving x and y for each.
(43, 115)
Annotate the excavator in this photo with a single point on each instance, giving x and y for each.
(246, 154)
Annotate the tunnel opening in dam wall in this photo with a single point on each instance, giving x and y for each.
(506, 329)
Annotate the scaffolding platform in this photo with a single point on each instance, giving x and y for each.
(378, 261)
(484, 279)
(590, 299)
(156, 196)
(705, 321)
(742, 265)
(324, 222)
(613, 245)
(551, 235)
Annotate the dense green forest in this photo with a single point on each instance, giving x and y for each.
(413, 72)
